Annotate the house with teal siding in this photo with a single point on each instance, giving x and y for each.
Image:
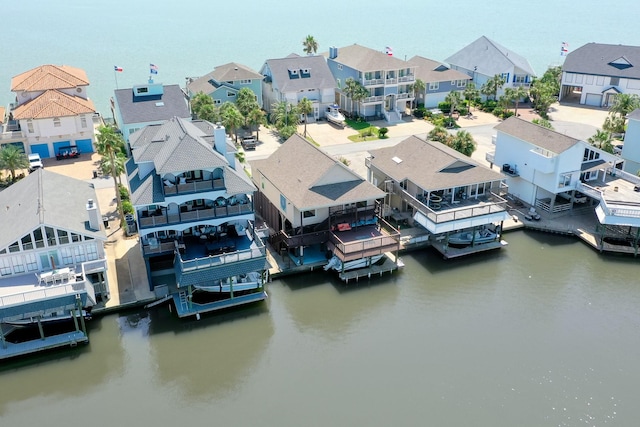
(439, 81)
(224, 83)
(51, 111)
(387, 79)
(484, 58)
(147, 104)
(195, 216)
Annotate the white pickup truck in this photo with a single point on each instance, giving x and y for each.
(249, 142)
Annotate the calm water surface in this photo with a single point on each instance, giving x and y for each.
(542, 333)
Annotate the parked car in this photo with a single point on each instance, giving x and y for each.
(68, 152)
(35, 162)
(579, 198)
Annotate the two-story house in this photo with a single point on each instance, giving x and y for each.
(51, 111)
(318, 206)
(484, 58)
(195, 216)
(295, 77)
(449, 194)
(631, 147)
(224, 83)
(52, 260)
(388, 80)
(147, 104)
(556, 173)
(439, 81)
(595, 73)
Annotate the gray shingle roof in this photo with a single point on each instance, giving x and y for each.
(231, 72)
(311, 179)
(148, 109)
(320, 76)
(489, 57)
(364, 59)
(430, 165)
(45, 198)
(595, 58)
(635, 114)
(429, 70)
(536, 135)
(209, 275)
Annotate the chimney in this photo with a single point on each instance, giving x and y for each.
(94, 215)
(333, 52)
(220, 139)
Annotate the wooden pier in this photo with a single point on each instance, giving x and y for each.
(388, 266)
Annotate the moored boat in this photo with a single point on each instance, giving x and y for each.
(465, 238)
(247, 282)
(335, 263)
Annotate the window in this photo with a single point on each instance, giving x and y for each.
(217, 101)
(361, 204)
(29, 126)
(63, 237)
(283, 202)
(579, 78)
(140, 90)
(79, 255)
(37, 234)
(67, 255)
(56, 122)
(27, 242)
(615, 81)
(92, 252)
(245, 82)
(5, 266)
(231, 94)
(309, 214)
(520, 79)
(600, 80)
(75, 237)
(434, 85)
(462, 83)
(32, 261)
(565, 180)
(339, 66)
(18, 264)
(453, 82)
(14, 247)
(51, 237)
(83, 122)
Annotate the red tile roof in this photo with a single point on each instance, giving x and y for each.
(47, 77)
(53, 103)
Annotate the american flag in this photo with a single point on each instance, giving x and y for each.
(389, 51)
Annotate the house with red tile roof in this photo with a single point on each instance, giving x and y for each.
(51, 111)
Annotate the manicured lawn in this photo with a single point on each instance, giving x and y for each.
(368, 133)
(357, 125)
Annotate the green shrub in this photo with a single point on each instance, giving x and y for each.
(124, 193)
(127, 207)
(382, 132)
(445, 107)
(419, 112)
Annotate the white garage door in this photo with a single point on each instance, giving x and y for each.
(593, 99)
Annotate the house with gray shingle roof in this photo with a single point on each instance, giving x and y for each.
(387, 79)
(51, 111)
(295, 77)
(194, 210)
(557, 173)
(484, 58)
(437, 187)
(147, 104)
(595, 73)
(52, 256)
(303, 201)
(224, 83)
(439, 81)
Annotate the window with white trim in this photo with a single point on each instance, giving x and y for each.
(67, 255)
(56, 122)
(30, 126)
(18, 264)
(79, 254)
(92, 252)
(434, 85)
(83, 122)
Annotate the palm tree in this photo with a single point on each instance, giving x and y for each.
(232, 118)
(200, 100)
(285, 117)
(310, 45)
(13, 158)
(210, 113)
(418, 88)
(355, 91)
(110, 144)
(515, 95)
(119, 164)
(454, 98)
(439, 134)
(623, 104)
(492, 86)
(602, 140)
(305, 107)
(246, 101)
(470, 94)
(256, 118)
(463, 142)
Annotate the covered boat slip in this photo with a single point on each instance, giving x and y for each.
(186, 307)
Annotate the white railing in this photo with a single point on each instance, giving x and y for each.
(634, 179)
(43, 294)
(490, 157)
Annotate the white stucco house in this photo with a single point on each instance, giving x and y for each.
(595, 73)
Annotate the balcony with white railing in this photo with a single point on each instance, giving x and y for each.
(196, 186)
(373, 99)
(407, 79)
(373, 82)
(160, 217)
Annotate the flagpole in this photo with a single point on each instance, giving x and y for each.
(115, 76)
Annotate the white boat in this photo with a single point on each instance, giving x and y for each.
(335, 116)
(45, 320)
(467, 237)
(335, 263)
(248, 282)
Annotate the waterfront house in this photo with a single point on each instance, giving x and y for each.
(631, 147)
(557, 173)
(52, 259)
(313, 203)
(51, 111)
(595, 73)
(442, 190)
(439, 81)
(195, 215)
(295, 77)
(147, 104)
(387, 79)
(225, 81)
(484, 58)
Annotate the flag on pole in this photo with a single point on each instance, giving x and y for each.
(564, 48)
(116, 68)
(153, 69)
(389, 51)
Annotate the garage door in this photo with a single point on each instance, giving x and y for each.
(84, 145)
(593, 99)
(58, 145)
(42, 149)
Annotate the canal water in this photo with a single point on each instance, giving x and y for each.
(541, 333)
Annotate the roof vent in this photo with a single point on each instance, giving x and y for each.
(160, 104)
(397, 159)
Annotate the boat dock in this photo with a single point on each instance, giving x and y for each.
(388, 266)
(450, 252)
